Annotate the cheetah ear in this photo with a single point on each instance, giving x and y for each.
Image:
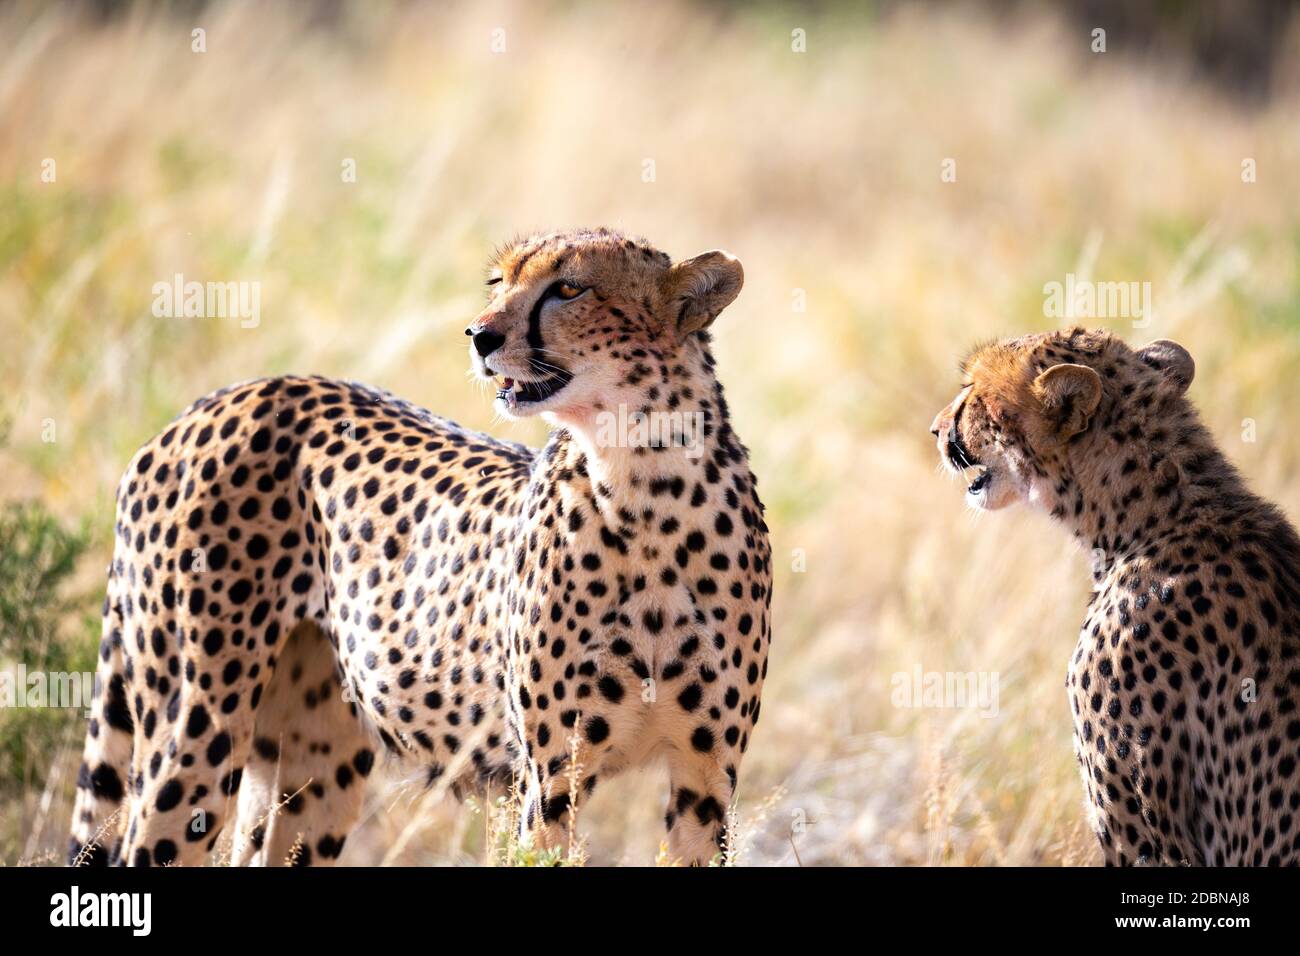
(1070, 394)
(696, 290)
(1173, 361)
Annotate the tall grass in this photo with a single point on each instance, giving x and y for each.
(820, 170)
(46, 627)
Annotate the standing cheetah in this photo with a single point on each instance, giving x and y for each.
(308, 571)
(1186, 678)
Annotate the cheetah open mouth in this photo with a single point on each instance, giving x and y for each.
(516, 394)
(961, 459)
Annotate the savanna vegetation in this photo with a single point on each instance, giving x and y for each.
(127, 158)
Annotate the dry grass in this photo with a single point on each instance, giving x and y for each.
(820, 170)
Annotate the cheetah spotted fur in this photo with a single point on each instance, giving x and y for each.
(308, 573)
(1186, 679)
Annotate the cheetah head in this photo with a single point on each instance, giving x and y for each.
(1027, 407)
(579, 322)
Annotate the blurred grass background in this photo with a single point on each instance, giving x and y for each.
(820, 170)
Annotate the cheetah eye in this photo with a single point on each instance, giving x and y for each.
(567, 291)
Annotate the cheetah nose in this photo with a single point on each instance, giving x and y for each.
(485, 343)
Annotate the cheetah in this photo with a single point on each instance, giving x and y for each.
(1185, 681)
(310, 573)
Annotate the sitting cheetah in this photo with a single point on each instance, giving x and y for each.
(309, 571)
(1186, 678)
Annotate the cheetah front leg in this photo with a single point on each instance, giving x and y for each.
(562, 775)
(701, 786)
(1137, 800)
(701, 774)
(707, 723)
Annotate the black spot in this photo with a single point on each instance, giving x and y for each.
(597, 729)
(230, 782)
(106, 783)
(219, 749)
(708, 810)
(363, 761)
(198, 721)
(213, 641)
(169, 796)
(164, 852)
(117, 714)
(689, 698)
(610, 689)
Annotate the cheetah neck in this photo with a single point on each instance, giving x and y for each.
(1127, 494)
(670, 449)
